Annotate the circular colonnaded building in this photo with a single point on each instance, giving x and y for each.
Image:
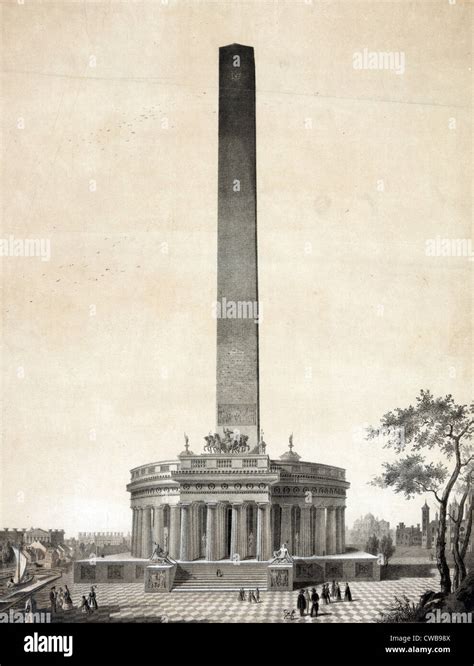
(237, 506)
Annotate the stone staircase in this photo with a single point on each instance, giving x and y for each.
(201, 576)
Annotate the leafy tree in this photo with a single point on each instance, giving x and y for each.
(372, 545)
(432, 424)
(387, 548)
(460, 543)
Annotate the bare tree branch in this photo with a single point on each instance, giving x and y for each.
(427, 490)
(464, 430)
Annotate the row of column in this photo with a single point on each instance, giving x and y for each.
(311, 531)
(190, 533)
(188, 537)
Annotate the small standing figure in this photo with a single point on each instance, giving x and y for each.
(52, 599)
(301, 602)
(250, 543)
(93, 599)
(68, 605)
(338, 592)
(307, 597)
(30, 610)
(242, 594)
(257, 595)
(333, 589)
(347, 593)
(326, 595)
(85, 608)
(315, 602)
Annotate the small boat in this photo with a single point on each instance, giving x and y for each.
(20, 577)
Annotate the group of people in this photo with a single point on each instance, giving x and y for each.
(61, 600)
(253, 595)
(308, 603)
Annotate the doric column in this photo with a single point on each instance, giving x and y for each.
(134, 532)
(320, 531)
(243, 532)
(185, 526)
(221, 547)
(305, 531)
(268, 532)
(194, 532)
(338, 529)
(175, 531)
(235, 530)
(263, 531)
(146, 534)
(138, 546)
(158, 525)
(330, 530)
(343, 529)
(286, 529)
(211, 532)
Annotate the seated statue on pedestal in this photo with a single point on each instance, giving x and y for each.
(282, 555)
(159, 555)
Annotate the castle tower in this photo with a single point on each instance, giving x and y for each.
(425, 526)
(237, 381)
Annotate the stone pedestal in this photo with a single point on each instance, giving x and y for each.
(159, 577)
(280, 577)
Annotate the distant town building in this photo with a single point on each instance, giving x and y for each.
(426, 536)
(46, 537)
(431, 527)
(408, 536)
(101, 539)
(366, 527)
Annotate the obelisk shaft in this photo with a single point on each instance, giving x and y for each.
(237, 284)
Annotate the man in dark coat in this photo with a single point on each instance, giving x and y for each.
(52, 599)
(325, 593)
(347, 593)
(314, 603)
(301, 603)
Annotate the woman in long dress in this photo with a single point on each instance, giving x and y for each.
(85, 606)
(67, 603)
(92, 599)
(347, 593)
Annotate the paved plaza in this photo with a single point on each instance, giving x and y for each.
(129, 603)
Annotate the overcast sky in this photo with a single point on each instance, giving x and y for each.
(110, 154)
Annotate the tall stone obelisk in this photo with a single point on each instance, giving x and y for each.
(237, 284)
